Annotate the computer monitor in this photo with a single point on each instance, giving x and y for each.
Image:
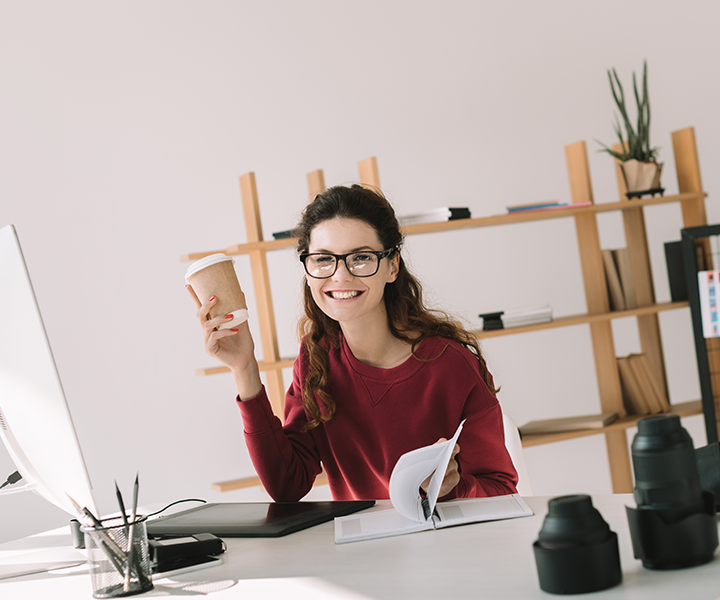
(35, 421)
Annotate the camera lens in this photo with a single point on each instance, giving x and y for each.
(674, 525)
(575, 551)
(572, 521)
(666, 474)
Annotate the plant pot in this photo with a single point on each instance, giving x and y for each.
(642, 177)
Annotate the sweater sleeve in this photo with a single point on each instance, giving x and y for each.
(486, 468)
(285, 458)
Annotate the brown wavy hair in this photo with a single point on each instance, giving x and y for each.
(408, 317)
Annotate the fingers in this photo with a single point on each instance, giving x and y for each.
(203, 312)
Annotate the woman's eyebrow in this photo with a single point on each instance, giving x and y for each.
(360, 249)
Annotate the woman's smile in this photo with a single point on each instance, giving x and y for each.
(343, 294)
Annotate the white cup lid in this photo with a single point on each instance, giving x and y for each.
(206, 262)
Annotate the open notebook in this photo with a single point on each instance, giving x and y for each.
(414, 512)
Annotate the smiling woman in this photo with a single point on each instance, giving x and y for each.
(379, 374)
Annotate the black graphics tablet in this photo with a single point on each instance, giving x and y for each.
(252, 519)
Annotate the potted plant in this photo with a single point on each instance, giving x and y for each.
(638, 159)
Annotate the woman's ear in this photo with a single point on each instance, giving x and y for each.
(394, 263)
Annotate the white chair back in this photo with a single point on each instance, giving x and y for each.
(515, 449)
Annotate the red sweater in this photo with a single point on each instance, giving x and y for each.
(380, 415)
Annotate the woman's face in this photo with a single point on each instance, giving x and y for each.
(345, 297)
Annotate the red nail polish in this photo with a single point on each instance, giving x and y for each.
(229, 316)
(235, 330)
(211, 298)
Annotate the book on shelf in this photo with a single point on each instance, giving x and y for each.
(642, 393)
(612, 277)
(491, 321)
(676, 271)
(436, 215)
(653, 403)
(649, 383)
(526, 316)
(619, 277)
(563, 424)
(543, 206)
(534, 205)
(413, 511)
(624, 267)
(633, 397)
(516, 318)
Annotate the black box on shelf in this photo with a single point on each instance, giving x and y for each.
(676, 271)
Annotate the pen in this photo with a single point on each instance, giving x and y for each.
(131, 532)
(128, 545)
(122, 507)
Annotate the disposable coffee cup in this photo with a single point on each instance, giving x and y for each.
(215, 275)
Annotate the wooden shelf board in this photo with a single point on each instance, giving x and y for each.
(534, 215)
(585, 318)
(683, 409)
(283, 363)
(286, 363)
(554, 213)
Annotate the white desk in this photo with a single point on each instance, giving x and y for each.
(487, 560)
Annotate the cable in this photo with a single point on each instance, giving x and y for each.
(14, 478)
(157, 512)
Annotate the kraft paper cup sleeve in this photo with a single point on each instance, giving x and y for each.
(215, 275)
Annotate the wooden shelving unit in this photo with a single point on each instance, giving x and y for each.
(598, 317)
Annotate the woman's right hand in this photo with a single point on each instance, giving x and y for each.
(234, 348)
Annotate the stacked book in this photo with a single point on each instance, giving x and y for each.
(619, 276)
(642, 393)
(434, 216)
(516, 318)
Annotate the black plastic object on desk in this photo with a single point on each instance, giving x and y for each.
(576, 552)
(253, 519)
(674, 524)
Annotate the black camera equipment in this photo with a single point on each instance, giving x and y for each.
(674, 525)
(575, 551)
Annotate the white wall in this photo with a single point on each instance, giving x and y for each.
(124, 127)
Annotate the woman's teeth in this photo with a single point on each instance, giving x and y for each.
(344, 295)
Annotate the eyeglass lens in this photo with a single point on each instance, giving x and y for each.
(361, 264)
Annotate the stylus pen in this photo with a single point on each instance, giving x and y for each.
(131, 529)
(132, 561)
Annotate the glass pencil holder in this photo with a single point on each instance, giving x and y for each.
(118, 558)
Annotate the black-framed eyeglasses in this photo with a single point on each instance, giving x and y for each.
(360, 264)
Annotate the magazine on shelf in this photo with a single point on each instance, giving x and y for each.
(543, 207)
(534, 205)
(435, 215)
(414, 511)
(562, 424)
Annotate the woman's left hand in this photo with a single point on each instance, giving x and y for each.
(452, 473)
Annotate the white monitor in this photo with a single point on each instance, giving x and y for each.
(35, 421)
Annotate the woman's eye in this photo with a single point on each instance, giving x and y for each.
(360, 258)
(323, 260)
